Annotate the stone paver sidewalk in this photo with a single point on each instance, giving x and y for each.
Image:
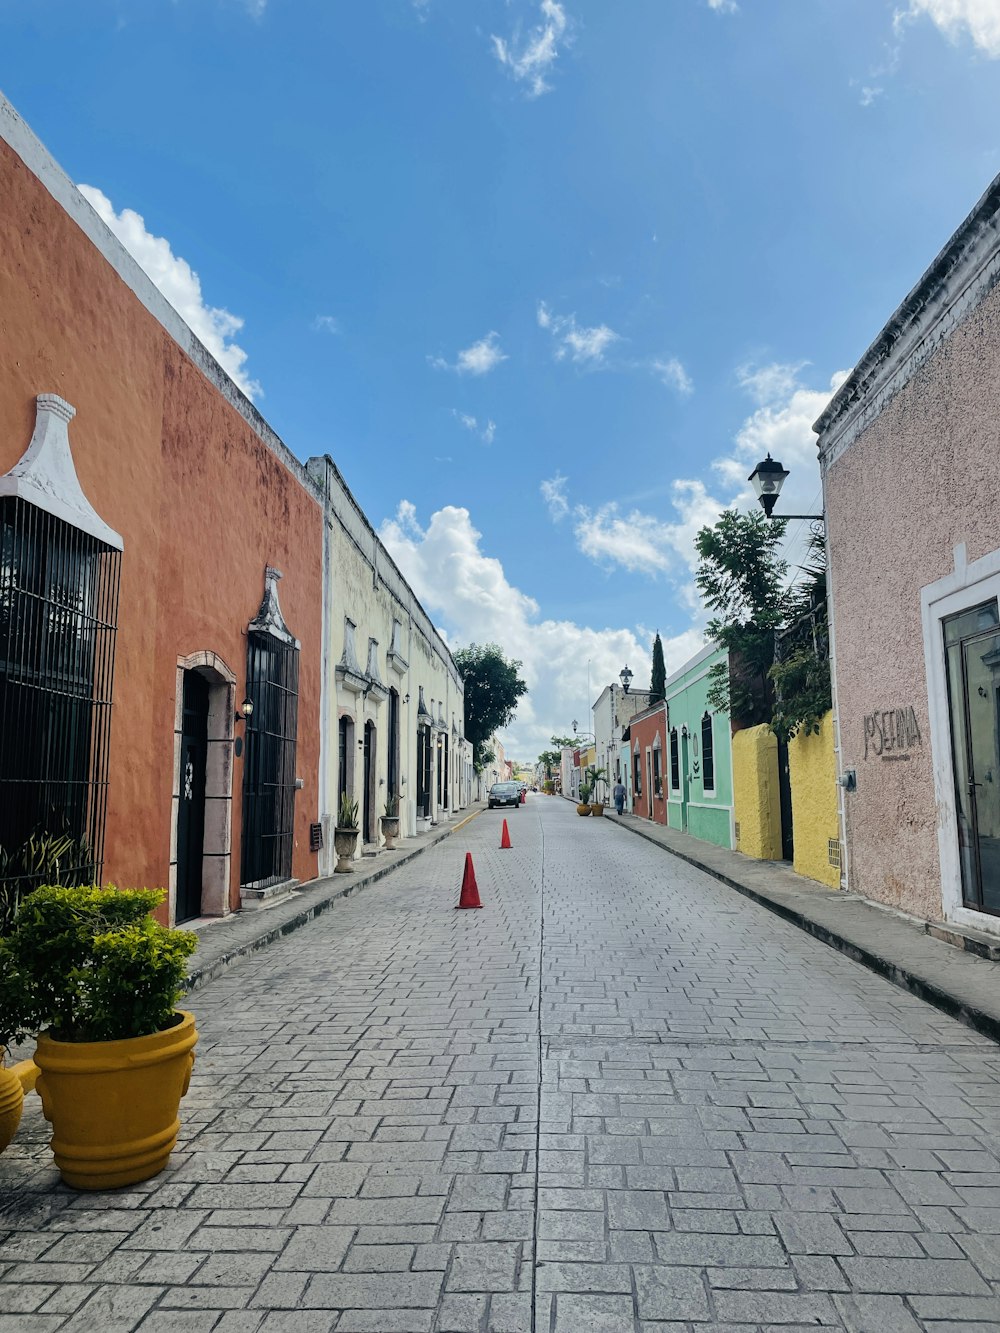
(892, 944)
(622, 1097)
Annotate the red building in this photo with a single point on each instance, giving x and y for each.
(648, 746)
(147, 513)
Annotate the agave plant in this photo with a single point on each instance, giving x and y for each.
(347, 814)
(45, 858)
(392, 806)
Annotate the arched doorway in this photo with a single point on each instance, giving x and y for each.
(201, 828)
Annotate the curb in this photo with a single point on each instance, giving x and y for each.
(906, 978)
(200, 976)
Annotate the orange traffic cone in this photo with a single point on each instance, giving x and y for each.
(505, 836)
(524, 797)
(469, 897)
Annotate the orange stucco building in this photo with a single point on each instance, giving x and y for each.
(210, 509)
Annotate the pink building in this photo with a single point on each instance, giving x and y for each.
(911, 469)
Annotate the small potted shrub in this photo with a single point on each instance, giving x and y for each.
(345, 835)
(390, 822)
(584, 806)
(97, 980)
(595, 776)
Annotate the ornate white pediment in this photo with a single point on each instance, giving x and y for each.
(45, 475)
(269, 619)
(397, 662)
(348, 669)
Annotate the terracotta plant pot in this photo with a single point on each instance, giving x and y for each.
(345, 840)
(596, 808)
(390, 831)
(583, 808)
(113, 1104)
(11, 1104)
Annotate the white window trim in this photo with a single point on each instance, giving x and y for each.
(709, 793)
(965, 587)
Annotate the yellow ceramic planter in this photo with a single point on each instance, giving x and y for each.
(113, 1104)
(11, 1104)
(583, 808)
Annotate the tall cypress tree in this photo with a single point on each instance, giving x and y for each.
(658, 678)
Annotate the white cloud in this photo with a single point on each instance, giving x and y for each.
(326, 324)
(479, 359)
(554, 494)
(870, 95)
(766, 384)
(583, 345)
(255, 8)
(723, 6)
(674, 376)
(486, 432)
(979, 19)
(781, 424)
(470, 593)
(529, 59)
(642, 543)
(180, 285)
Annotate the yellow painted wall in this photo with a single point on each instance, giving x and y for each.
(757, 809)
(815, 820)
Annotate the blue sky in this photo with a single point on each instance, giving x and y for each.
(545, 277)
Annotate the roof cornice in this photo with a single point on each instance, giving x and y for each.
(959, 279)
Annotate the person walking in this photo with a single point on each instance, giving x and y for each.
(618, 792)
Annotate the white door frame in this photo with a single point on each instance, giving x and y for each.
(966, 586)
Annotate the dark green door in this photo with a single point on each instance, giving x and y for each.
(191, 805)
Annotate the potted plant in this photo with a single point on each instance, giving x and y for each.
(97, 980)
(390, 821)
(594, 776)
(584, 806)
(11, 1102)
(345, 835)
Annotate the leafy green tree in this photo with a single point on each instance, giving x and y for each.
(552, 758)
(801, 671)
(776, 633)
(658, 679)
(492, 689)
(742, 579)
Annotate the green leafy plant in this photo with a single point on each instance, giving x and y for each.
(584, 793)
(492, 689)
(347, 814)
(90, 964)
(658, 675)
(595, 775)
(45, 858)
(392, 806)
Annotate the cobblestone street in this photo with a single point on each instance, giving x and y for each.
(622, 1097)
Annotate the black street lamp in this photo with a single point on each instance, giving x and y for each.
(767, 479)
(625, 676)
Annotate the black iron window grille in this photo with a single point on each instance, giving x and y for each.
(269, 768)
(675, 761)
(707, 753)
(58, 622)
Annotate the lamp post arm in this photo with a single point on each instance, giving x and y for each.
(788, 518)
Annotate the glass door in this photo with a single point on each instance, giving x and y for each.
(972, 647)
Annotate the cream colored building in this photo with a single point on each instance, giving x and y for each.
(393, 707)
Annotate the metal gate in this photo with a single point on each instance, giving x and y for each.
(269, 767)
(58, 623)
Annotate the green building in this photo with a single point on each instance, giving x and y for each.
(699, 761)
